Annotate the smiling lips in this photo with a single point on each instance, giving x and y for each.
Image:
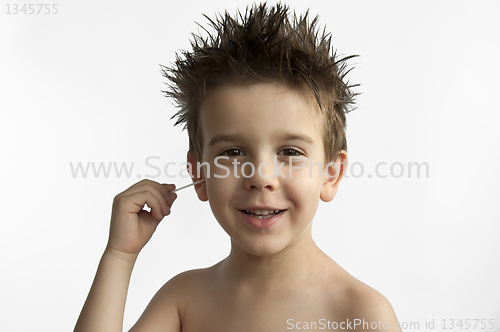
(262, 218)
(262, 214)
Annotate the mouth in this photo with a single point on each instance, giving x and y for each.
(262, 214)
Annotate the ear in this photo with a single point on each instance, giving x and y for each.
(332, 177)
(201, 189)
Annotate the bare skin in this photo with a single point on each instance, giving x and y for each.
(275, 277)
(222, 298)
(209, 300)
(131, 228)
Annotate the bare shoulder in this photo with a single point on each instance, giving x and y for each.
(165, 310)
(366, 302)
(366, 305)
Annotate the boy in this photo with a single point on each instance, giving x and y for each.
(264, 103)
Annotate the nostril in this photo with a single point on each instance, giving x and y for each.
(260, 182)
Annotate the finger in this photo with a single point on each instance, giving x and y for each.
(146, 183)
(167, 191)
(148, 221)
(134, 203)
(140, 183)
(163, 189)
(156, 189)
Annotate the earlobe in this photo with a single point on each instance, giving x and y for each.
(332, 177)
(201, 189)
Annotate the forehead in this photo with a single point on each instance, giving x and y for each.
(263, 108)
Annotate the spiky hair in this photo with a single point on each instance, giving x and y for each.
(264, 45)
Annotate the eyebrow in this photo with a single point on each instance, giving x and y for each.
(223, 138)
(284, 136)
(294, 137)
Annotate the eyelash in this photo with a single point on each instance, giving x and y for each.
(226, 152)
(296, 152)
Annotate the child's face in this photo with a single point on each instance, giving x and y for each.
(264, 124)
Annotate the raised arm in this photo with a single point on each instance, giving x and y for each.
(131, 228)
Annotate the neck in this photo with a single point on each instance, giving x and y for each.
(289, 266)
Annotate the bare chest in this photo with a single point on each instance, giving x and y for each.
(258, 312)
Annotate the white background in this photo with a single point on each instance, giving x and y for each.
(84, 85)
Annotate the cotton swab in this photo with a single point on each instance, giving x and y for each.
(189, 185)
(148, 209)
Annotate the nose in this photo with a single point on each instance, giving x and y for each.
(262, 178)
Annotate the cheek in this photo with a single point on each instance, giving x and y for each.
(307, 178)
(304, 190)
(215, 188)
(216, 201)
(220, 191)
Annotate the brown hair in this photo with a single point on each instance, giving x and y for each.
(264, 45)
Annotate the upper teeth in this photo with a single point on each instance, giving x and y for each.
(262, 212)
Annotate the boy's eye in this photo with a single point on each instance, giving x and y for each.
(233, 152)
(291, 152)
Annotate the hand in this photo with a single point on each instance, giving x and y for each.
(131, 226)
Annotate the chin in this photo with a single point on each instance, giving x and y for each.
(262, 248)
